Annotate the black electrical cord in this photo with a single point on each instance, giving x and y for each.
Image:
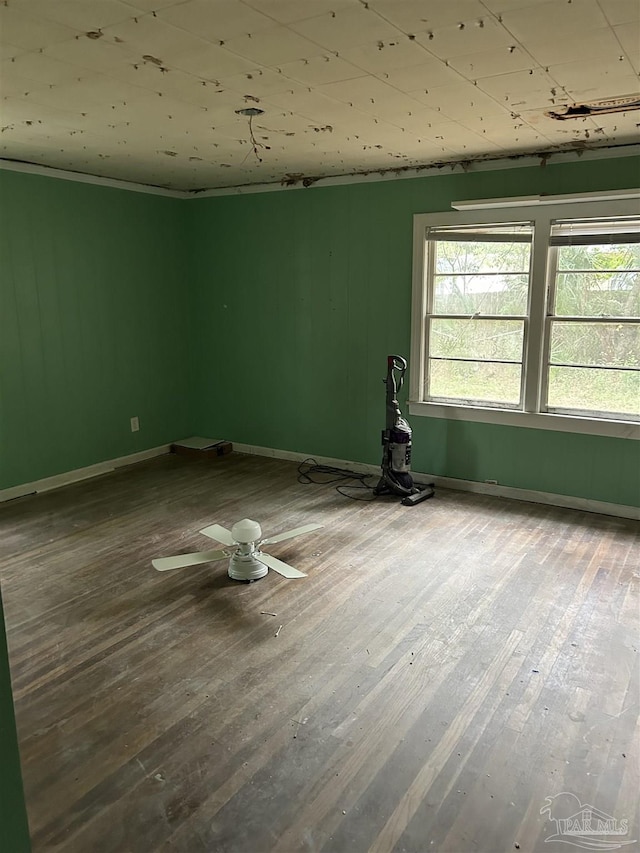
(309, 468)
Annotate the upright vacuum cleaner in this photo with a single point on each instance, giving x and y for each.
(396, 476)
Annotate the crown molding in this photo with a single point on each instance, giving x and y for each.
(514, 161)
(83, 178)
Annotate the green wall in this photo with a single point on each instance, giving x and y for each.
(300, 296)
(263, 318)
(14, 830)
(94, 286)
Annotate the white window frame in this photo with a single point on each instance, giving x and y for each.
(536, 326)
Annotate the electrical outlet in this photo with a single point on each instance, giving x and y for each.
(135, 424)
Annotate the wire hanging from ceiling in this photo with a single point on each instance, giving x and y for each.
(250, 112)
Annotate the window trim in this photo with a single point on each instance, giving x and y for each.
(536, 327)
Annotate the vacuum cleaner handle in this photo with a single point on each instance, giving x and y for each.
(395, 362)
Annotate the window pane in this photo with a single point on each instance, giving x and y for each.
(592, 294)
(461, 256)
(505, 293)
(617, 256)
(590, 389)
(475, 381)
(601, 344)
(483, 339)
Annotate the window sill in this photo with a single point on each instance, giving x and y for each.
(528, 420)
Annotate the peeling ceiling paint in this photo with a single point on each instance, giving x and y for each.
(153, 91)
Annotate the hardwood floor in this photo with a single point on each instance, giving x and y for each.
(441, 671)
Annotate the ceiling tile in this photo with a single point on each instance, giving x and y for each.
(428, 75)
(387, 56)
(152, 5)
(258, 83)
(218, 21)
(499, 6)
(89, 54)
(273, 47)
(629, 37)
(413, 16)
(78, 14)
(587, 80)
(621, 125)
(278, 122)
(372, 96)
(562, 19)
(317, 107)
(288, 11)
(30, 33)
(93, 93)
(41, 68)
(296, 96)
(421, 122)
(450, 41)
(457, 101)
(562, 132)
(23, 110)
(502, 60)
(372, 131)
(166, 111)
(12, 149)
(524, 90)
(325, 68)
(504, 131)
(212, 113)
(151, 36)
(621, 11)
(601, 90)
(460, 139)
(491, 125)
(8, 51)
(573, 137)
(171, 83)
(554, 49)
(211, 62)
(345, 28)
(419, 151)
(417, 119)
(12, 85)
(387, 136)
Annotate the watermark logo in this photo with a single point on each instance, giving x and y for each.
(584, 825)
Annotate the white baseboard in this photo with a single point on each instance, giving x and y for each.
(494, 489)
(78, 474)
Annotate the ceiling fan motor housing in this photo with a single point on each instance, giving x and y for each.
(245, 567)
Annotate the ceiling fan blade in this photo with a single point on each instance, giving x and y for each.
(216, 531)
(181, 561)
(289, 534)
(283, 569)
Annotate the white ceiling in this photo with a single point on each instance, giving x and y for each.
(147, 90)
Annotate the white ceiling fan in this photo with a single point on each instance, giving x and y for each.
(244, 541)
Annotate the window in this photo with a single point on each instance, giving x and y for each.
(477, 313)
(593, 329)
(535, 314)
